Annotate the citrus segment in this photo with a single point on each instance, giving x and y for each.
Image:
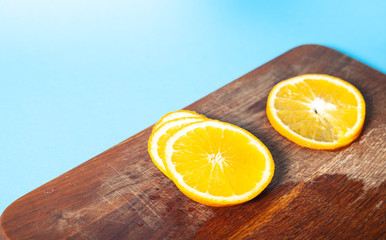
(217, 163)
(157, 141)
(316, 111)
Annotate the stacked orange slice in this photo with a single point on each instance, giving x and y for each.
(212, 162)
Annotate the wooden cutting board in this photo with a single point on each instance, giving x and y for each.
(120, 194)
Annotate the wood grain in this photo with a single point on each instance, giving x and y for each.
(120, 194)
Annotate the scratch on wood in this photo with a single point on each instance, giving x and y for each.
(37, 227)
(89, 237)
(379, 204)
(143, 170)
(144, 218)
(135, 194)
(71, 221)
(111, 220)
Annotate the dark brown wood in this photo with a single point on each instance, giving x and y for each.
(120, 194)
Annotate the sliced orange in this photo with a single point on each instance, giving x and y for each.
(176, 115)
(157, 141)
(316, 111)
(217, 163)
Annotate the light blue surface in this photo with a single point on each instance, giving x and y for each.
(78, 77)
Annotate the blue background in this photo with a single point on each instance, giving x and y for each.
(79, 76)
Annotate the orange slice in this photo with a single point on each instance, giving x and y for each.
(317, 111)
(157, 141)
(217, 163)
